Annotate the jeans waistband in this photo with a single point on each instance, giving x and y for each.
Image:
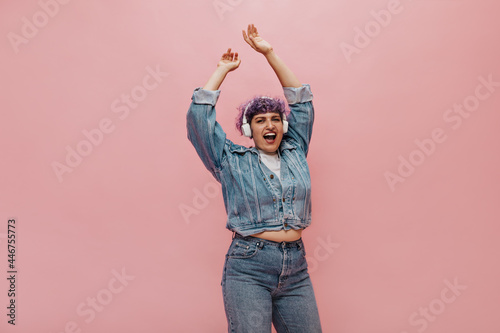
(296, 243)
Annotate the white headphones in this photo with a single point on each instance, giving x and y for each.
(245, 127)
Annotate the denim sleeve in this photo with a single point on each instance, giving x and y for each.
(301, 117)
(204, 132)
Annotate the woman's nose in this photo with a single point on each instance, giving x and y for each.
(270, 124)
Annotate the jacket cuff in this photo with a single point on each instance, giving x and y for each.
(298, 95)
(202, 96)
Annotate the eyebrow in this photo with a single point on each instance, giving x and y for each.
(264, 117)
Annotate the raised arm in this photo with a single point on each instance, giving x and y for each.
(285, 75)
(203, 130)
(228, 62)
(299, 96)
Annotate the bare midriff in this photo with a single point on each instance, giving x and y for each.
(280, 235)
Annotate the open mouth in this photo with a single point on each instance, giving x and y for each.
(270, 138)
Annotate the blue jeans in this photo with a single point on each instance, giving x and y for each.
(266, 282)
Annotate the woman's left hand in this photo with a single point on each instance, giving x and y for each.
(255, 41)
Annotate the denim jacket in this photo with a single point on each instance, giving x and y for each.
(254, 198)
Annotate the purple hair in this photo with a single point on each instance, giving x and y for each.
(259, 105)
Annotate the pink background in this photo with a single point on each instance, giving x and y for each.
(379, 256)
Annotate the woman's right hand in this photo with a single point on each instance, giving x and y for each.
(229, 61)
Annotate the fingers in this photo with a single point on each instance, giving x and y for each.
(249, 38)
(224, 55)
(230, 56)
(250, 30)
(253, 30)
(256, 33)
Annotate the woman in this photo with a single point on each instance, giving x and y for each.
(267, 196)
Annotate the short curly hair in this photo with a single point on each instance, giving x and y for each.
(259, 105)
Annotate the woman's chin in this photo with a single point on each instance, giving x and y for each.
(268, 147)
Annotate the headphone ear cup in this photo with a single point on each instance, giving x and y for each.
(285, 126)
(247, 131)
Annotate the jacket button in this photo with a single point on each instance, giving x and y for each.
(274, 199)
(293, 198)
(271, 176)
(286, 225)
(283, 199)
(264, 178)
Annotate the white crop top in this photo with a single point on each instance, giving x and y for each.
(272, 161)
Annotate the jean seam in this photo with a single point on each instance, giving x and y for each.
(280, 317)
(224, 296)
(229, 317)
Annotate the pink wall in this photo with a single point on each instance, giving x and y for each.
(405, 184)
